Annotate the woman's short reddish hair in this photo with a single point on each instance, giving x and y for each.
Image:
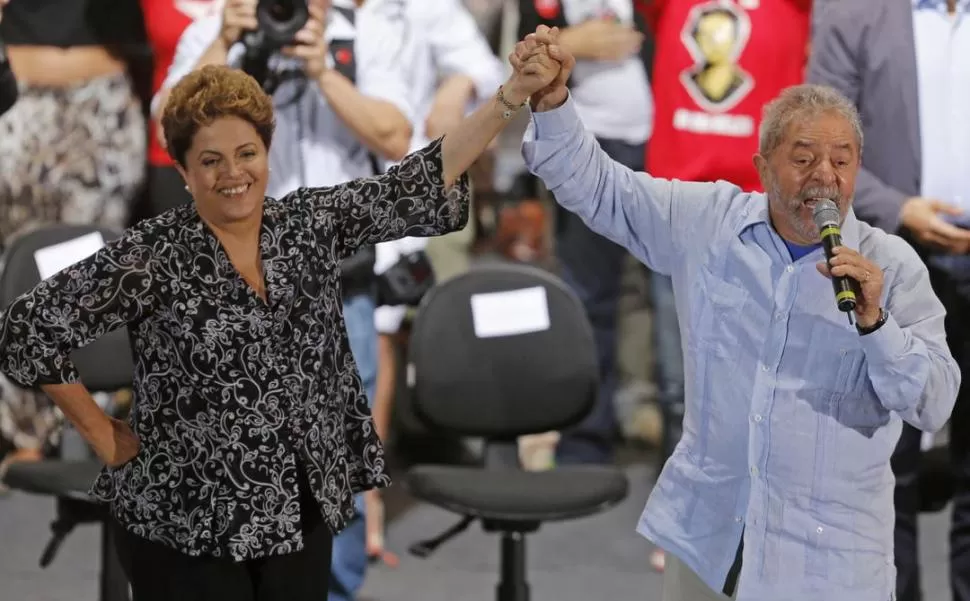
(207, 94)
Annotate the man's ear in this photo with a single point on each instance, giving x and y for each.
(761, 164)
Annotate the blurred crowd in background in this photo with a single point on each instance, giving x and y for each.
(673, 87)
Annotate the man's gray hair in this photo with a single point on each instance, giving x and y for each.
(799, 103)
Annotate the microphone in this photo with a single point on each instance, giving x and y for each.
(826, 216)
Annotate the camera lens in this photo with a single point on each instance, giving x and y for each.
(282, 10)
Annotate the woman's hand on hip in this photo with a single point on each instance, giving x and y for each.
(116, 444)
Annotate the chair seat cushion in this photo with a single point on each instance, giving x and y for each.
(510, 495)
(51, 477)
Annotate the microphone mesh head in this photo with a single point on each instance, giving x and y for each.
(826, 213)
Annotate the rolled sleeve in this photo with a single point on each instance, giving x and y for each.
(388, 320)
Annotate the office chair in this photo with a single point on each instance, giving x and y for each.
(499, 352)
(105, 366)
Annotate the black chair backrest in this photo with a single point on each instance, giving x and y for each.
(473, 380)
(106, 364)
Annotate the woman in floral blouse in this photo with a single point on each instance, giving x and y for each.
(249, 433)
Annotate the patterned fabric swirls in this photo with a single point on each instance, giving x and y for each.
(234, 395)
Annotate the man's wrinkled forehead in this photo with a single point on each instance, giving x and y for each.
(829, 131)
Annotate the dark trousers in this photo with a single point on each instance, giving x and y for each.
(159, 573)
(593, 267)
(906, 463)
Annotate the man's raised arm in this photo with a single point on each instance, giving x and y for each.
(650, 217)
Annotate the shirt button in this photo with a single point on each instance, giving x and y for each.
(790, 268)
(819, 530)
(758, 419)
(779, 316)
(754, 471)
(739, 519)
(764, 367)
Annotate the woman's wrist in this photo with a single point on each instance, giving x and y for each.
(513, 93)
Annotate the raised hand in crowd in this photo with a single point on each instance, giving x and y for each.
(311, 46)
(237, 16)
(924, 218)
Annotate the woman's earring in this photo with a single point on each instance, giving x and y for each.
(187, 189)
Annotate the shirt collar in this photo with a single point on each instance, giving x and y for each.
(962, 5)
(757, 212)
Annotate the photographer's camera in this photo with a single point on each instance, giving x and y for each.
(279, 22)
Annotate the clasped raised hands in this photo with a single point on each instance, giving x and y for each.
(541, 68)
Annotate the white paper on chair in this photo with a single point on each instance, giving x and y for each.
(510, 312)
(54, 258)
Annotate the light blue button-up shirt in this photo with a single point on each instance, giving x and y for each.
(791, 416)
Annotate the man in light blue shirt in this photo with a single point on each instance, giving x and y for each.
(792, 412)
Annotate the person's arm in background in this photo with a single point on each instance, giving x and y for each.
(835, 61)
(463, 60)
(386, 380)
(376, 110)
(388, 317)
(601, 40)
(383, 409)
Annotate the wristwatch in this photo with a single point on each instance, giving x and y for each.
(883, 316)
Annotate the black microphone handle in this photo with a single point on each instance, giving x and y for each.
(845, 296)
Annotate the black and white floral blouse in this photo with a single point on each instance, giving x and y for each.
(232, 393)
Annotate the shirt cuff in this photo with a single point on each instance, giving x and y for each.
(886, 344)
(554, 123)
(388, 319)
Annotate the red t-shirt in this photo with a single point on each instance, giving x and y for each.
(165, 20)
(717, 63)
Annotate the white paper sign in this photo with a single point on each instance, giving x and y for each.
(510, 313)
(52, 259)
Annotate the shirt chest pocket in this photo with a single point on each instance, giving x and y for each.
(717, 309)
(836, 370)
